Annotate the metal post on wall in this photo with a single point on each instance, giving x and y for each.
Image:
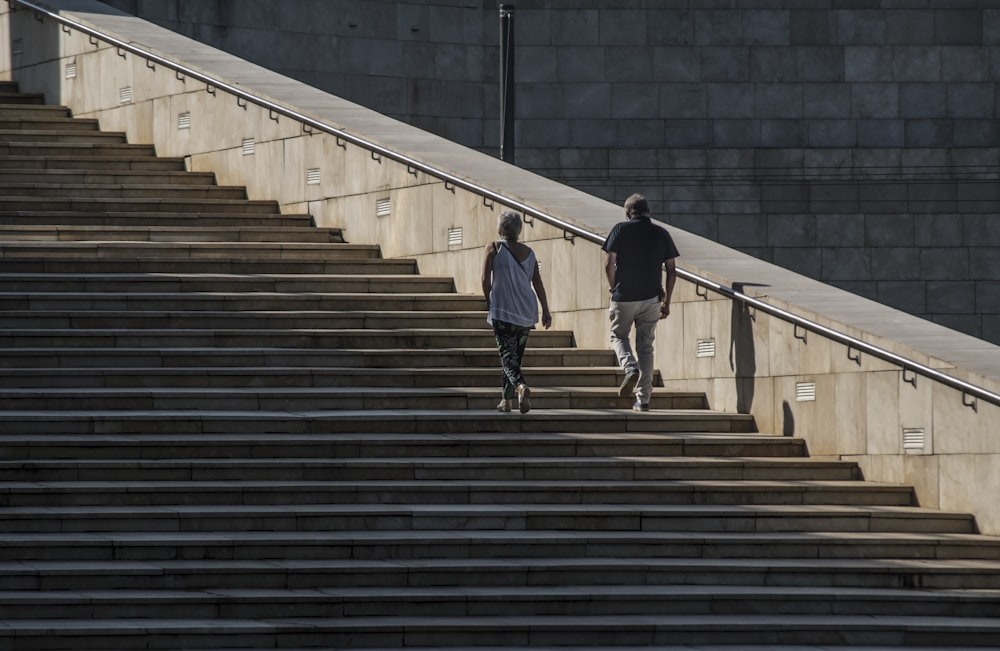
(507, 83)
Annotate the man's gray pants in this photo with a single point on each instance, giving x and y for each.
(644, 315)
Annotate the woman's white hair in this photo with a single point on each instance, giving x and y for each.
(509, 225)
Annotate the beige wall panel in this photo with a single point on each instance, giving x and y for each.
(962, 429)
(923, 473)
(850, 412)
(882, 413)
(972, 479)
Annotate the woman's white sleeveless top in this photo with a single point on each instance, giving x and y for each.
(512, 298)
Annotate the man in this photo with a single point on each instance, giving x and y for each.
(636, 252)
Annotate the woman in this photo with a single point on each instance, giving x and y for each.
(510, 271)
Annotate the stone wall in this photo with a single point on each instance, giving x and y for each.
(743, 121)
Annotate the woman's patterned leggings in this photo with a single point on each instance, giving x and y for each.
(511, 342)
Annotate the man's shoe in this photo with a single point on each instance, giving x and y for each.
(641, 406)
(628, 384)
(524, 398)
(504, 405)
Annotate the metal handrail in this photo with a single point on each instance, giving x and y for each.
(904, 363)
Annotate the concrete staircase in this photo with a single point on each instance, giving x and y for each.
(224, 428)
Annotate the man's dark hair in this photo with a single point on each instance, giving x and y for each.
(636, 205)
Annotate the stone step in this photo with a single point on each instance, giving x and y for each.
(680, 573)
(83, 233)
(194, 396)
(576, 377)
(398, 338)
(258, 320)
(728, 448)
(886, 550)
(93, 164)
(84, 252)
(386, 421)
(114, 147)
(567, 484)
(96, 175)
(137, 204)
(294, 518)
(177, 302)
(226, 283)
(493, 632)
(498, 601)
(11, 96)
(36, 121)
(60, 136)
(109, 191)
(21, 110)
(265, 258)
(269, 356)
(71, 219)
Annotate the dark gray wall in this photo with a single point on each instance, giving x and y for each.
(855, 141)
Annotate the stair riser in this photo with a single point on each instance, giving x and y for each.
(314, 263)
(23, 98)
(56, 177)
(123, 253)
(10, 122)
(235, 285)
(79, 449)
(209, 606)
(60, 136)
(385, 635)
(179, 304)
(8, 110)
(119, 233)
(118, 254)
(350, 423)
(346, 378)
(404, 519)
(137, 219)
(256, 338)
(114, 148)
(96, 163)
(133, 204)
(315, 546)
(57, 193)
(410, 494)
(474, 576)
(27, 357)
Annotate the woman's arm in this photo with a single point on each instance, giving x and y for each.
(536, 282)
(489, 253)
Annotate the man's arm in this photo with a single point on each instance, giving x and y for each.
(610, 266)
(671, 268)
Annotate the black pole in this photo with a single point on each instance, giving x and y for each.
(507, 83)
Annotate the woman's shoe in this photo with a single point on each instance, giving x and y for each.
(524, 398)
(504, 405)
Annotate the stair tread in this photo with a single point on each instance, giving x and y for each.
(294, 566)
(666, 484)
(537, 623)
(398, 414)
(590, 592)
(758, 510)
(820, 539)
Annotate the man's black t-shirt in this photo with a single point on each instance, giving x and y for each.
(641, 248)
